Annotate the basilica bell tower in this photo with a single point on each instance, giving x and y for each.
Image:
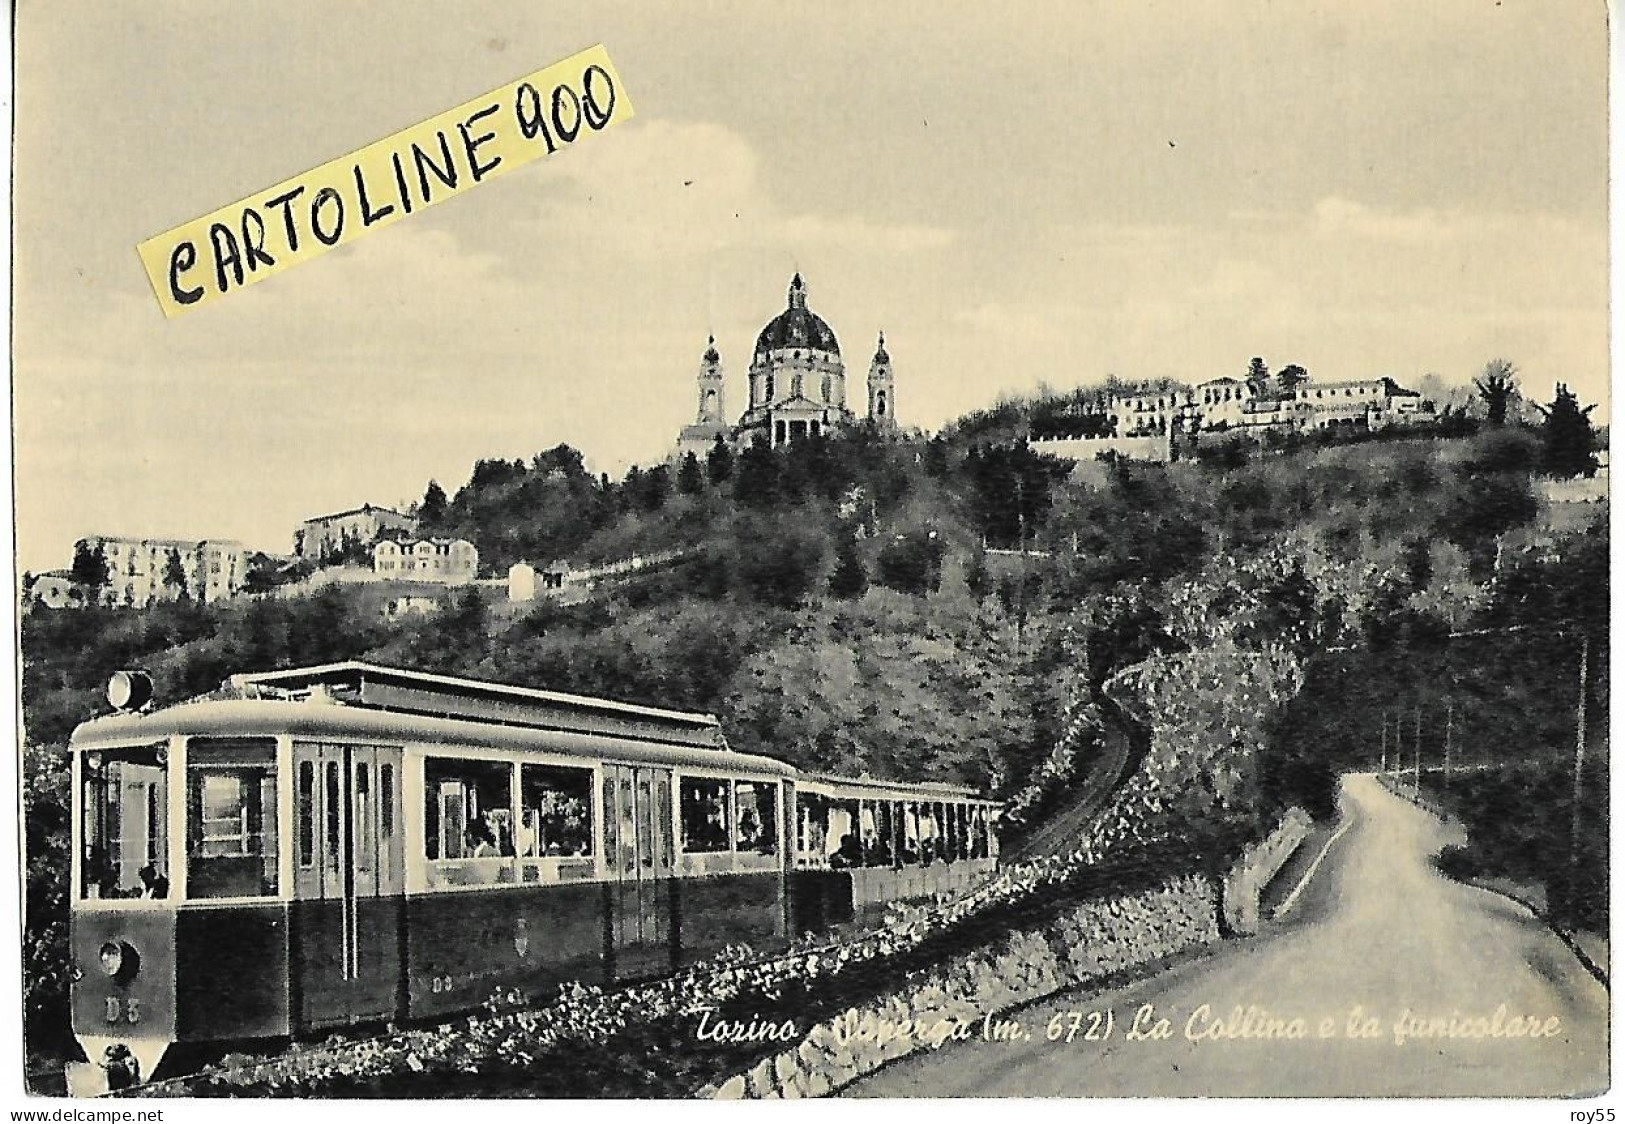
(712, 407)
(882, 388)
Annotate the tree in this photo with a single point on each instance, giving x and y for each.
(263, 574)
(1011, 491)
(1497, 387)
(1567, 437)
(850, 579)
(654, 488)
(777, 561)
(912, 563)
(90, 568)
(757, 481)
(1258, 376)
(977, 578)
(690, 479)
(432, 511)
(1290, 377)
(175, 573)
(719, 462)
(629, 496)
(455, 638)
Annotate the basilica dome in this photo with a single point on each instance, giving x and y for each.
(797, 326)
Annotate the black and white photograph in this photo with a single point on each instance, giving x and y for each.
(1025, 552)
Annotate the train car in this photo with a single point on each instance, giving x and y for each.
(349, 844)
(862, 843)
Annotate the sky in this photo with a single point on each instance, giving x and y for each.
(1019, 195)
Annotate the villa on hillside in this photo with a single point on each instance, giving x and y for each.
(443, 561)
(1145, 425)
(322, 536)
(140, 570)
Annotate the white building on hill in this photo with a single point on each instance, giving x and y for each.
(446, 561)
(139, 571)
(324, 535)
(1142, 425)
(797, 385)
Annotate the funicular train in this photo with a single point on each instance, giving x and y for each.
(348, 844)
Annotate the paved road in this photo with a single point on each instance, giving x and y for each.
(1376, 928)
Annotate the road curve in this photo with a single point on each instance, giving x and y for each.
(1380, 935)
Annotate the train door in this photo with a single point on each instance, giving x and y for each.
(349, 881)
(640, 857)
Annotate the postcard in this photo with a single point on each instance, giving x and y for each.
(755, 551)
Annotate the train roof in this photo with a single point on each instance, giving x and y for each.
(874, 788)
(392, 688)
(355, 700)
(326, 719)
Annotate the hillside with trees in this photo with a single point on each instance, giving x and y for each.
(951, 609)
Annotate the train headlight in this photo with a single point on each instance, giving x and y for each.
(129, 690)
(118, 960)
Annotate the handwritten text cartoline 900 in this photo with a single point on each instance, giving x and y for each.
(418, 167)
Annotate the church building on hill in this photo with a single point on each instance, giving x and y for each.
(797, 385)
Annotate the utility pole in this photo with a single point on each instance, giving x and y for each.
(1416, 786)
(1021, 597)
(1385, 741)
(1579, 769)
(1449, 732)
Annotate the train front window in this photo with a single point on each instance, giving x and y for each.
(231, 840)
(124, 805)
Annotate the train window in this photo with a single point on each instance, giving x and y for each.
(812, 826)
(628, 830)
(931, 846)
(386, 800)
(231, 818)
(704, 807)
(757, 817)
(124, 807)
(663, 821)
(469, 808)
(880, 852)
(842, 844)
(334, 809)
(555, 809)
(646, 841)
(155, 824)
(911, 833)
(306, 803)
(363, 798)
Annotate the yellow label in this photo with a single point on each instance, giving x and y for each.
(303, 217)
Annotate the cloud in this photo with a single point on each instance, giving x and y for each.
(1348, 288)
(566, 302)
(1343, 218)
(659, 188)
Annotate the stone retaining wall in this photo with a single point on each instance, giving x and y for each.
(1083, 944)
(1258, 866)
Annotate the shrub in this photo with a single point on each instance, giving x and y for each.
(912, 563)
(1459, 863)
